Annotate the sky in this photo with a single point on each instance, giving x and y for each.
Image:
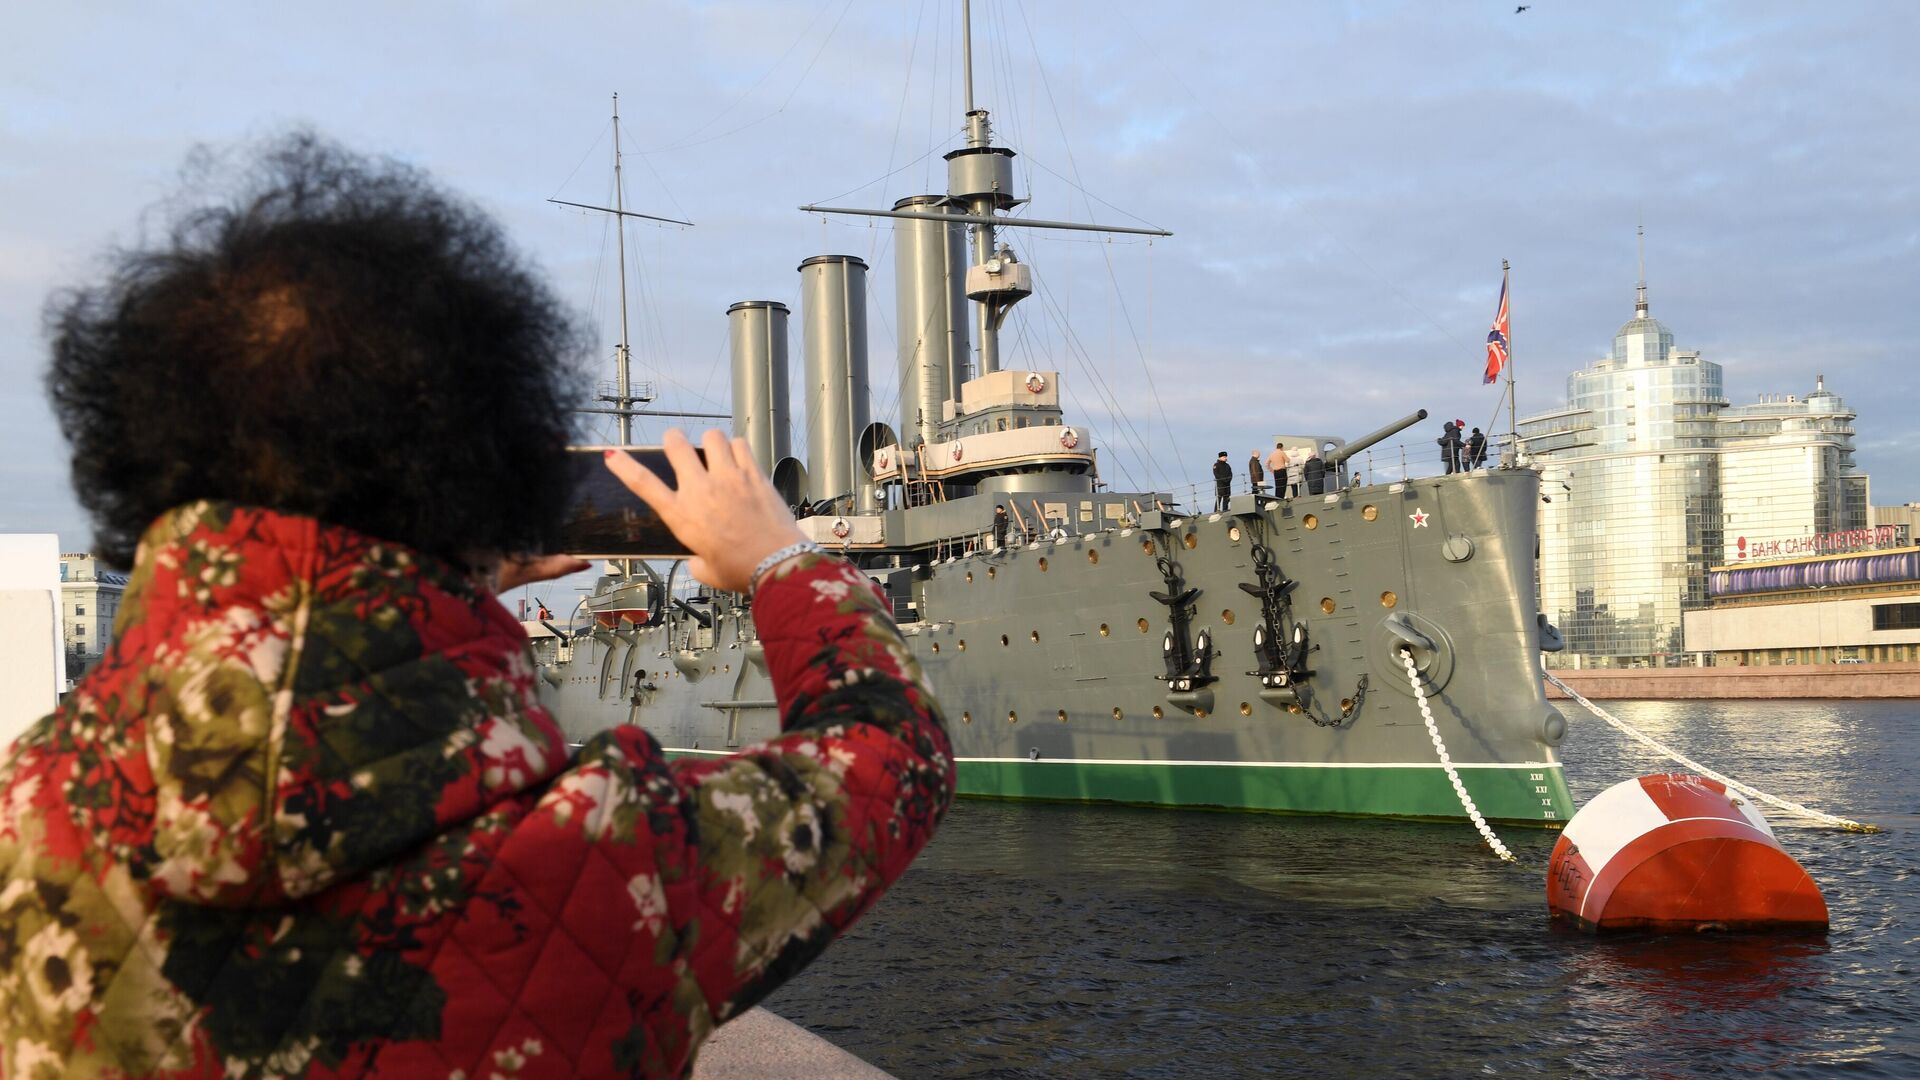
(1342, 180)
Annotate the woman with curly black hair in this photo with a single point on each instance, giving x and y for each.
(307, 815)
(343, 340)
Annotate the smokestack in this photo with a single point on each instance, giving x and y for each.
(762, 407)
(833, 312)
(930, 266)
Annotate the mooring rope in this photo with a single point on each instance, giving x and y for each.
(1754, 793)
(1446, 761)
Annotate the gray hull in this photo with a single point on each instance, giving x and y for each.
(1050, 659)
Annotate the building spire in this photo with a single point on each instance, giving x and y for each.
(1640, 290)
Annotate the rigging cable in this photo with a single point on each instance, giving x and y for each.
(798, 83)
(1106, 252)
(1750, 792)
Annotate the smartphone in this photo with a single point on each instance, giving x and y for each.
(605, 520)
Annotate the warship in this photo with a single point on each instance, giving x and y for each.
(1118, 646)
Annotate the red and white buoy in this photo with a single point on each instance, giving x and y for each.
(1677, 852)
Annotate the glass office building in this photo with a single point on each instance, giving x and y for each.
(1649, 475)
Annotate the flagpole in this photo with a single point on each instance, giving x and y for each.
(1513, 402)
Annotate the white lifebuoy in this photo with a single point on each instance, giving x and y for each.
(956, 452)
(1035, 384)
(841, 528)
(1069, 438)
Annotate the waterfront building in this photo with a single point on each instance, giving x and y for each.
(1652, 478)
(89, 600)
(1907, 514)
(1851, 607)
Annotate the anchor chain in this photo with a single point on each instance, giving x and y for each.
(1446, 761)
(1280, 641)
(1189, 662)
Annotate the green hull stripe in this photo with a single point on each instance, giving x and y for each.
(1525, 795)
(1536, 796)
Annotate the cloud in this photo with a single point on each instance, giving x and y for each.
(1343, 183)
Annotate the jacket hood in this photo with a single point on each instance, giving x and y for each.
(313, 702)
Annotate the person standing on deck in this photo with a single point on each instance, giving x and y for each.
(1255, 478)
(1001, 522)
(1277, 465)
(1222, 481)
(1315, 473)
(1476, 450)
(1450, 447)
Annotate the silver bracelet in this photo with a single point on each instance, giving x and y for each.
(778, 557)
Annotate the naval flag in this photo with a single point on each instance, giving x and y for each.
(1497, 337)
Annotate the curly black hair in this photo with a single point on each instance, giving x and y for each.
(340, 338)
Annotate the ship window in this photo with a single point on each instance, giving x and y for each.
(1021, 422)
(1053, 421)
(1000, 424)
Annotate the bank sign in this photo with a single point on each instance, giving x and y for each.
(1885, 536)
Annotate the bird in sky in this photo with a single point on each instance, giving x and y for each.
(1521, 8)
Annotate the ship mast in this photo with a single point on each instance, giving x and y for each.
(623, 356)
(623, 399)
(980, 182)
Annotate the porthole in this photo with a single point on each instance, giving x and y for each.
(1142, 624)
(1012, 717)
(969, 577)
(1104, 631)
(1311, 521)
(1294, 708)
(1063, 715)
(1147, 546)
(1370, 512)
(1117, 714)
(1093, 556)
(993, 571)
(1346, 706)
(1033, 636)
(1199, 714)
(963, 644)
(1388, 599)
(1246, 709)
(936, 647)
(1326, 604)
(1192, 541)
(1227, 616)
(1043, 564)
(1003, 639)
(966, 718)
(1233, 533)
(1157, 714)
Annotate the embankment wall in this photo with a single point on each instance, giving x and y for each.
(1682, 684)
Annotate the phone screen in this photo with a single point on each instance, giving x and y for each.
(605, 520)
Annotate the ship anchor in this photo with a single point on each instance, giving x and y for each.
(1188, 657)
(1279, 642)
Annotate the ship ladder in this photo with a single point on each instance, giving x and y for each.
(1648, 741)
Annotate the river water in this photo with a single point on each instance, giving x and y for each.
(1066, 941)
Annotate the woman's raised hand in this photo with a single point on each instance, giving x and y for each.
(725, 511)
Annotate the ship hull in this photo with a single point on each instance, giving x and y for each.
(1048, 662)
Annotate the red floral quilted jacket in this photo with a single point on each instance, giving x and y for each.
(307, 818)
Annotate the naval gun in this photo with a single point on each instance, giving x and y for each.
(1339, 455)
